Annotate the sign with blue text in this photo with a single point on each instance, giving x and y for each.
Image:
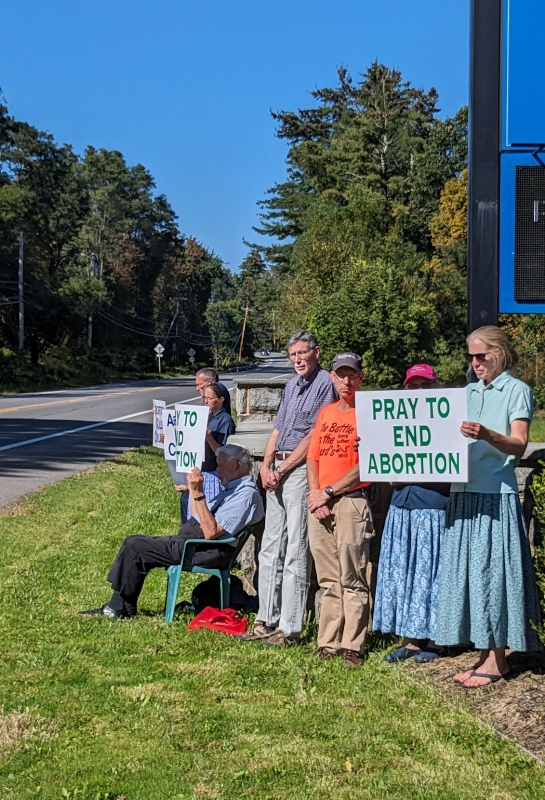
(191, 424)
(169, 430)
(412, 436)
(159, 413)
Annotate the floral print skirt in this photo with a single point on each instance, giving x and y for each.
(406, 599)
(488, 594)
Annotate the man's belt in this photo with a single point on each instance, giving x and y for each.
(282, 455)
(354, 493)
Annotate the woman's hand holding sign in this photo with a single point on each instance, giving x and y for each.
(474, 430)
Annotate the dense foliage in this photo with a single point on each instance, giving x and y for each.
(368, 236)
(99, 242)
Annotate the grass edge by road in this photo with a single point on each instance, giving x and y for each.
(100, 710)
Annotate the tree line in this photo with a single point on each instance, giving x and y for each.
(107, 272)
(363, 242)
(368, 230)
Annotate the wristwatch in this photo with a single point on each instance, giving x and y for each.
(329, 491)
(277, 469)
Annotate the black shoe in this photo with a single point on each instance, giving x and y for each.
(106, 611)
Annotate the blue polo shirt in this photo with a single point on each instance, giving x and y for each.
(495, 406)
(221, 427)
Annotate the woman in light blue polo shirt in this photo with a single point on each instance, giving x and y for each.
(487, 593)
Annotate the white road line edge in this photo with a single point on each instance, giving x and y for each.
(86, 427)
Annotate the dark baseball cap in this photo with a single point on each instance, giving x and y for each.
(351, 360)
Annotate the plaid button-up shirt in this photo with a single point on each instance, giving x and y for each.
(301, 401)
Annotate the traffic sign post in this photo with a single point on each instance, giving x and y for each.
(191, 353)
(159, 349)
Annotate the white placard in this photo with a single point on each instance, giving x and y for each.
(159, 408)
(412, 436)
(191, 424)
(169, 429)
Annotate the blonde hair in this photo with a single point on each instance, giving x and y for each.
(499, 344)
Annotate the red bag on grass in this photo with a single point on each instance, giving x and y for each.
(224, 620)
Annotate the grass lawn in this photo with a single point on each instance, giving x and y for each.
(137, 710)
(537, 428)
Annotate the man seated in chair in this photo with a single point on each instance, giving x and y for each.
(234, 508)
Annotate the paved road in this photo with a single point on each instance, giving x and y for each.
(46, 436)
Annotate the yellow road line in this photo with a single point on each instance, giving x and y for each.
(78, 399)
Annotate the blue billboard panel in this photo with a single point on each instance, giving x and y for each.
(522, 235)
(523, 119)
(522, 160)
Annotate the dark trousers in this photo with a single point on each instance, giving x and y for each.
(138, 554)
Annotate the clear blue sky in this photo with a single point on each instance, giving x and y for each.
(185, 86)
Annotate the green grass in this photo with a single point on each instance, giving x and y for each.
(98, 710)
(537, 428)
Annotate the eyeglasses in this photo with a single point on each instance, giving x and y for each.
(300, 354)
(481, 357)
(349, 378)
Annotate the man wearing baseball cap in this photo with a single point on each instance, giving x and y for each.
(340, 522)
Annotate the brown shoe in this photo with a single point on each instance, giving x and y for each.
(353, 658)
(278, 639)
(325, 654)
(258, 632)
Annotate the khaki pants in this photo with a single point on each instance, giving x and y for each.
(340, 547)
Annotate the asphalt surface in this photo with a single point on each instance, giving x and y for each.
(46, 436)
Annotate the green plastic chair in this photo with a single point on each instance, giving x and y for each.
(175, 572)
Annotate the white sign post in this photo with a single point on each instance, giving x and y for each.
(159, 349)
(412, 436)
(159, 414)
(191, 424)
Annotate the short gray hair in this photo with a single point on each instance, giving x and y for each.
(208, 373)
(304, 336)
(235, 452)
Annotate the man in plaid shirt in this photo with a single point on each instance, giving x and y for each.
(284, 558)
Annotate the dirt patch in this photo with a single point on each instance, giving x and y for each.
(19, 508)
(18, 726)
(515, 707)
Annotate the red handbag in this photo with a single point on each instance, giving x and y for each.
(216, 619)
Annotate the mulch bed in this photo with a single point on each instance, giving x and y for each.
(515, 707)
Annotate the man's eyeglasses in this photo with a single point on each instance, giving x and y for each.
(300, 354)
(481, 357)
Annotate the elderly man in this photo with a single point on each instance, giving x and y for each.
(284, 560)
(204, 378)
(340, 522)
(238, 505)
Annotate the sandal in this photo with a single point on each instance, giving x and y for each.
(428, 654)
(401, 654)
(490, 677)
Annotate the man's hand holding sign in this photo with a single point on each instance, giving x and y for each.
(410, 437)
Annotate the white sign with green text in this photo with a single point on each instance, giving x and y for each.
(412, 436)
(191, 425)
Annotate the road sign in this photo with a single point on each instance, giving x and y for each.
(191, 353)
(159, 349)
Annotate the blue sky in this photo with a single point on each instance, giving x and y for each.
(185, 87)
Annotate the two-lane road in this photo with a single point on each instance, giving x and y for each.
(47, 436)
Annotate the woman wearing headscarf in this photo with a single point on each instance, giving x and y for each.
(487, 593)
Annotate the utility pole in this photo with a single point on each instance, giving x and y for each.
(21, 294)
(274, 313)
(243, 332)
(94, 274)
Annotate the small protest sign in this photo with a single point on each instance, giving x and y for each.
(159, 408)
(412, 436)
(169, 428)
(191, 424)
